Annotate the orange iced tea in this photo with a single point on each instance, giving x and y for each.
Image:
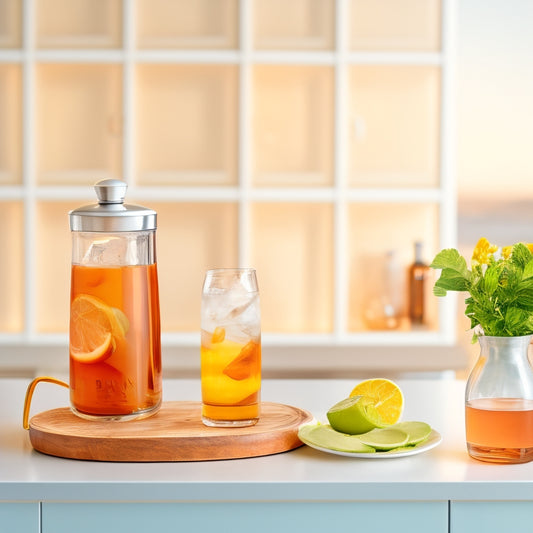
(231, 377)
(230, 348)
(115, 347)
(500, 429)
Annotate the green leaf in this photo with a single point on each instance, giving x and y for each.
(451, 259)
(521, 255)
(454, 275)
(510, 278)
(517, 322)
(452, 281)
(470, 305)
(473, 323)
(524, 295)
(528, 270)
(439, 291)
(491, 279)
(528, 325)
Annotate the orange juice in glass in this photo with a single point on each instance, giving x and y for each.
(115, 338)
(230, 348)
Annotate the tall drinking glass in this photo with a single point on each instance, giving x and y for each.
(231, 348)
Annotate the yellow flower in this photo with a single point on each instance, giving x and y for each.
(483, 252)
(506, 251)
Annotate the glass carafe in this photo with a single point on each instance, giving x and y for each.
(499, 401)
(114, 338)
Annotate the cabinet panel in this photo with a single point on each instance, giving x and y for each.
(79, 123)
(79, 23)
(293, 125)
(20, 517)
(239, 517)
(267, 127)
(10, 23)
(187, 124)
(11, 274)
(394, 126)
(377, 291)
(305, 24)
(292, 250)
(191, 238)
(395, 25)
(185, 24)
(491, 517)
(10, 124)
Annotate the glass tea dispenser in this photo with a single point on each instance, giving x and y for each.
(115, 333)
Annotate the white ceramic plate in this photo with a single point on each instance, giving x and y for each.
(433, 440)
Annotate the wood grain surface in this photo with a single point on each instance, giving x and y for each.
(175, 433)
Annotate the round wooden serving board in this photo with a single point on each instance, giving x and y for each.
(175, 433)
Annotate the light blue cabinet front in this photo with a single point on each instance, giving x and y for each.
(281, 517)
(19, 517)
(491, 517)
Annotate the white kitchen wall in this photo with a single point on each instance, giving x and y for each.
(494, 96)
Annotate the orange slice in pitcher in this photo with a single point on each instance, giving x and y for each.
(244, 365)
(92, 324)
(119, 322)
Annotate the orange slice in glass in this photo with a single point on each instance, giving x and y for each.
(93, 325)
(245, 364)
(218, 335)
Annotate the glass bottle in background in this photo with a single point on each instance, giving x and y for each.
(418, 273)
(383, 305)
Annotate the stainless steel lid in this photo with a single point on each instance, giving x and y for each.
(111, 214)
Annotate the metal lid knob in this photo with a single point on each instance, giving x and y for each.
(111, 214)
(111, 191)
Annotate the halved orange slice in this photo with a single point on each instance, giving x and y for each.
(246, 363)
(386, 396)
(93, 327)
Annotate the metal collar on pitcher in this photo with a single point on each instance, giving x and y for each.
(111, 214)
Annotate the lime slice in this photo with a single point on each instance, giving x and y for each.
(325, 436)
(417, 431)
(354, 415)
(401, 449)
(384, 439)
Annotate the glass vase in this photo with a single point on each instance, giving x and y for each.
(499, 401)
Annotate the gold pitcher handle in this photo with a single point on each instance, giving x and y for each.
(29, 395)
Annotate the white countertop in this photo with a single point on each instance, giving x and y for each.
(304, 474)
